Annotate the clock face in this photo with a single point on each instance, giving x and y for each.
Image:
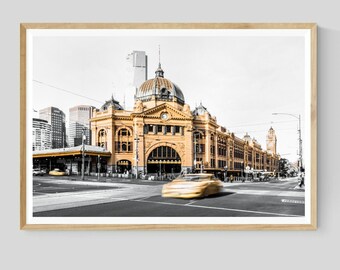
(164, 116)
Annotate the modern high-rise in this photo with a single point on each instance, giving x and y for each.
(137, 62)
(42, 139)
(56, 118)
(79, 123)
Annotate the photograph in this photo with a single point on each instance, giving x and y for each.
(168, 126)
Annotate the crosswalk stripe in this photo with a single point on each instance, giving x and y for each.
(292, 201)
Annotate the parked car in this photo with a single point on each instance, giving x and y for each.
(57, 172)
(192, 186)
(38, 172)
(265, 176)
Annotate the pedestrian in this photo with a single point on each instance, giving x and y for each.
(231, 178)
(302, 179)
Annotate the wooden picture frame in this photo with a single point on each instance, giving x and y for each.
(26, 196)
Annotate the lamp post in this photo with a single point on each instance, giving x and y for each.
(247, 172)
(195, 151)
(83, 156)
(300, 139)
(136, 155)
(225, 171)
(242, 168)
(98, 166)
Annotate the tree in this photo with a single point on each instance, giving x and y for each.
(284, 167)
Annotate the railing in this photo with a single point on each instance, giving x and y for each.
(246, 179)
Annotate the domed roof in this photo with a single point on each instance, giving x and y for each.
(200, 110)
(159, 87)
(111, 102)
(247, 138)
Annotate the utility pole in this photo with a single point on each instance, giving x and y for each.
(300, 144)
(300, 138)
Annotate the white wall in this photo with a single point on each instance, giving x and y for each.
(176, 249)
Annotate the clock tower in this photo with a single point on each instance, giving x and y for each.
(271, 141)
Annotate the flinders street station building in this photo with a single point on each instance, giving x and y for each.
(163, 135)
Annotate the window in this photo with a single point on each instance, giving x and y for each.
(165, 93)
(124, 141)
(164, 152)
(123, 132)
(124, 147)
(102, 138)
(212, 149)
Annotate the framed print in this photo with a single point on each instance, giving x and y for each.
(168, 126)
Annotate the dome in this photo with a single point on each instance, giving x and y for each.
(112, 102)
(247, 138)
(200, 110)
(161, 88)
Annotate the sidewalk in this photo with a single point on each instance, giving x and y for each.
(123, 191)
(91, 180)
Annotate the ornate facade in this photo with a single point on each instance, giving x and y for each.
(162, 134)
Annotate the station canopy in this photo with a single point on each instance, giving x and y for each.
(90, 150)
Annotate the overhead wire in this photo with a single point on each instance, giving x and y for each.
(67, 91)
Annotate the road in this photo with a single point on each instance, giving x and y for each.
(131, 198)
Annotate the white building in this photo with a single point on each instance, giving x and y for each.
(137, 67)
(41, 138)
(79, 121)
(56, 118)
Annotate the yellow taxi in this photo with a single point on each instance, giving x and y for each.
(192, 186)
(57, 172)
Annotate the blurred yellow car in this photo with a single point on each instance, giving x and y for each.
(192, 186)
(57, 172)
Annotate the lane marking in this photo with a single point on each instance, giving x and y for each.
(37, 192)
(275, 193)
(220, 208)
(292, 201)
(191, 202)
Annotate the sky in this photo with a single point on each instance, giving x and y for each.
(241, 77)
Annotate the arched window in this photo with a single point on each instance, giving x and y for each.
(102, 138)
(165, 93)
(164, 153)
(124, 140)
(199, 145)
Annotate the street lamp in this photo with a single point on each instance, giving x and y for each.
(225, 171)
(242, 168)
(195, 151)
(299, 131)
(98, 165)
(136, 155)
(83, 155)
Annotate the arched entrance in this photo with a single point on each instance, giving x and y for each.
(164, 159)
(123, 165)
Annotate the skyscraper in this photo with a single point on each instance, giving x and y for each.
(79, 121)
(56, 118)
(137, 68)
(42, 139)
